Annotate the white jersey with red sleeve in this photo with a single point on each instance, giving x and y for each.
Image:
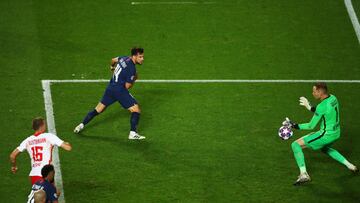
(40, 149)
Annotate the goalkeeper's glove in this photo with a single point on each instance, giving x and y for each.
(304, 102)
(289, 123)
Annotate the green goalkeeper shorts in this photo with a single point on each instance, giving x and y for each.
(320, 139)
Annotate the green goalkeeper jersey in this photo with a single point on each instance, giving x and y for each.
(327, 112)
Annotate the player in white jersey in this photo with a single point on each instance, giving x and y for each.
(39, 146)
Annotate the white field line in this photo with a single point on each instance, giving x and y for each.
(353, 17)
(50, 112)
(169, 3)
(51, 126)
(49, 105)
(208, 81)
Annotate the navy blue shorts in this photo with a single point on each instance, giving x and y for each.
(124, 97)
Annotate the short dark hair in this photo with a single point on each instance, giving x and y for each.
(136, 50)
(46, 170)
(37, 123)
(322, 86)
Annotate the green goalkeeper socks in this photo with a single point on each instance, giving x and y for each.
(299, 156)
(337, 156)
(300, 160)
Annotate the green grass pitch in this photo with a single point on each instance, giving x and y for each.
(205, 142)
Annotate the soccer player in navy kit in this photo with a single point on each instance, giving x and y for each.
(123, 78)
(45, 184)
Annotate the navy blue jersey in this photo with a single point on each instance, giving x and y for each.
(124, 72)
(49, 189)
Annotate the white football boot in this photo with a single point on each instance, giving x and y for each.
(134, 136)
(303, 178)
(79, 128)
(355, 170)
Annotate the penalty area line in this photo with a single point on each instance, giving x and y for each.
(46, 85)
(170, 3)
(353, 18)
(51, 126)
(207, 81)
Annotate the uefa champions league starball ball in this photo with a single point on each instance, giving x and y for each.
(285, 132)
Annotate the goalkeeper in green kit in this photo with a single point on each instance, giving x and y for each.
(327, 113)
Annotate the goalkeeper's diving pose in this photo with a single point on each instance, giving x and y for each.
(327, 113)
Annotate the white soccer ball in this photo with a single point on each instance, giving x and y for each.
(285, 132)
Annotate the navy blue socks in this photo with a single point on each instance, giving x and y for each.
(90, 116)
(134, 120)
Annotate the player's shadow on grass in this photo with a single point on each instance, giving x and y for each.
(151, 104)
(120, 140)
(347, 193)
(99, 138)
(344, 181)
(106, 117)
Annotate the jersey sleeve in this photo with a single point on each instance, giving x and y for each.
(130, 77)
(319, 112)
(51, 194)
(55, 140)
(22, 146)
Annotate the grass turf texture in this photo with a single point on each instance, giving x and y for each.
(206, 142)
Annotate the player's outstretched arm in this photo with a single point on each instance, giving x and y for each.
(290, 123)
(312, 124)
(13, 156)
(66, 146)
